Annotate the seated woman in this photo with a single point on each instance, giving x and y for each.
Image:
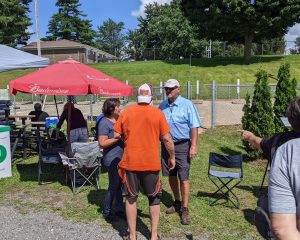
(78, 126)
(112, 154)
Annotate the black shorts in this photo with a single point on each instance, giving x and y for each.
(182, 158)
(148, 182)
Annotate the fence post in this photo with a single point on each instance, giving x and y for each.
(197, 89)
(213, 104)
(125, 97)
(14, 104)
(161, 90)
(238, 88)
(164, 96)
(188, 90)
(91, 107)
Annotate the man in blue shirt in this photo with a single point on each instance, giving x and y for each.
(184, 121)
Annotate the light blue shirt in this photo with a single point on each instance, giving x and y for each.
(181, 115)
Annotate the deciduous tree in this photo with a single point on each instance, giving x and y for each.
(242, 21)
(110, 37)
(134, 45)
(165, 28)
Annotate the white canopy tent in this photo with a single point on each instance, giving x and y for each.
(11, 58)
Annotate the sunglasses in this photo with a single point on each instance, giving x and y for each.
(170, 89)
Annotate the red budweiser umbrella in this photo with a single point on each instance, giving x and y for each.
(69, 77)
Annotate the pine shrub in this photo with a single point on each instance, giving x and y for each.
(284, 94)
(258, 116)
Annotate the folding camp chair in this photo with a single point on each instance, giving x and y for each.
(85, 164)
(222, 170)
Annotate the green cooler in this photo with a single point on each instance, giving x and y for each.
(5, 155)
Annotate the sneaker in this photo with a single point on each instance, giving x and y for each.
(185, 216)
(176, 207)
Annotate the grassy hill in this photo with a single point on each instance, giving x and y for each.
(222, 70)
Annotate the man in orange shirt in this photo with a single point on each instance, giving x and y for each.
(141, 127)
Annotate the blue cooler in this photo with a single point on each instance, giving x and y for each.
(51, 122)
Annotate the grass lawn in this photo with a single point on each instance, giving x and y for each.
(221, 221)
(222, 70)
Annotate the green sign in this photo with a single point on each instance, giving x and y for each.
(3, 153)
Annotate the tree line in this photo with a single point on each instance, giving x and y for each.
(180, 29)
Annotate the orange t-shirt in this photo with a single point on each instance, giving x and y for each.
(141, 126)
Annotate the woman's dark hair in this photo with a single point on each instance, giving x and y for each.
(109, 105)
(293, 114)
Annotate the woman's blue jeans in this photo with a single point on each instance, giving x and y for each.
(114, 192)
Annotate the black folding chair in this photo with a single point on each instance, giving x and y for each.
(222, 170)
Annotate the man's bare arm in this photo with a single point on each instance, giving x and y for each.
(194, 141)
(284, 226)
(252, 139)
(169, 145)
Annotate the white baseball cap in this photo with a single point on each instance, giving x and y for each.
(144, 93)
(172, 83)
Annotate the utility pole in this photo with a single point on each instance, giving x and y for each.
(37, 27)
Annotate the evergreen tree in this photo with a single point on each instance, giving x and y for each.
(68, 23)
(262, 119)
(14, 21)
(246, 119)
(259, 117)
(284, 94)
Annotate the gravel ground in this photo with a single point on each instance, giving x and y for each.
(47, 226)
(50, 226)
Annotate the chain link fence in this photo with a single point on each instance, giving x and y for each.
(218, 104)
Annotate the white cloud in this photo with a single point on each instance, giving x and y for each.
(143, 3)
(291, 36)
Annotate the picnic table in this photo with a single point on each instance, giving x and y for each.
(27, 134)
(22, 117)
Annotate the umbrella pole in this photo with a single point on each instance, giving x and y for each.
(68, 128)
(56, 106)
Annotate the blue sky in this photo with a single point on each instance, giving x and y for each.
(118, 10)
(96, 10)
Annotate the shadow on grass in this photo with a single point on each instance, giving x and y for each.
(249, 215)
(221, 61)
(166, 199)
(97, 198)
(222, 199)
(229, 151)
(209, 195)
(255, 190)
(51, 173)
(189, 236)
